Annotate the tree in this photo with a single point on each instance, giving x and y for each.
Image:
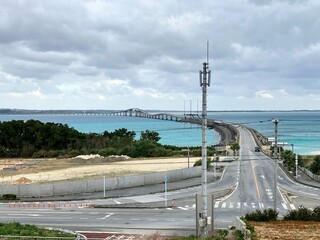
(235, 147)
(315, 166)
(150, 136)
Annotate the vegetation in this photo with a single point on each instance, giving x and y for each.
(235, 147)
(315, 166)
(33, 138)
(289, 161)
(199, 163)
(8, 197)
(304, 214)
(262, 216)
(17, 229)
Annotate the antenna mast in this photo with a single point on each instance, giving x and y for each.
(204, 83)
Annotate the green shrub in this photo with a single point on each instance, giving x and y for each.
(239, 234)
(17, 229)
(316, 214)
(199, 163)
(272, 215)
(106, 152)
(249, 226)
(9, 197)
(262, 216)
(300, 214)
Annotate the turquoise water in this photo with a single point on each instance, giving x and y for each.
(171, 132)
(302, 129)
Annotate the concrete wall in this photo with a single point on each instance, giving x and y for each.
(310, 174)
(94, 185)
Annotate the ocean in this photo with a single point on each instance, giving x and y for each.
(300, 130)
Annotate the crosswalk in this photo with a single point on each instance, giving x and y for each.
(237, 205)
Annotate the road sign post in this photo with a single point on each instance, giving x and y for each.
(187, 150)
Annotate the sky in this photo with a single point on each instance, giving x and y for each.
(121, 54)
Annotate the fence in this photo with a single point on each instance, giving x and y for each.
(95, 185)
(310, 174)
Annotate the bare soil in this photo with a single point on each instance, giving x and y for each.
(75, 168)
(287, 230)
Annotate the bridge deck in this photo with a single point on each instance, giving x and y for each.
(228, 133)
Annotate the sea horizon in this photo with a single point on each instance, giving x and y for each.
(298, 128)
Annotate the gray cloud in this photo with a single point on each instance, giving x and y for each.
(150, 52)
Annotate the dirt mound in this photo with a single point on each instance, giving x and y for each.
(22, 180)
(96, 159)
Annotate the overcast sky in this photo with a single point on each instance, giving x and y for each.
(119, 54)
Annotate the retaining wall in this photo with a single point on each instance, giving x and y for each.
(310, 174)
(95, 185)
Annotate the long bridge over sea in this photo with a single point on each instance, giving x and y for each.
(228, 133)
(136, 112)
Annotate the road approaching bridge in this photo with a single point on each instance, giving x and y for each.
(250, 180)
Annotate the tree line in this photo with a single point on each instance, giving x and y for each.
(36, 139)
(289, 162)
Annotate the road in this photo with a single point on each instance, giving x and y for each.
(251, 178)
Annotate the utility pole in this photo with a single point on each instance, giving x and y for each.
(204, 83)
(296, 166)
(276, 155)
(296, 160)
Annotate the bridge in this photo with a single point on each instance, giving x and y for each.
(228, 133)
(136, 112)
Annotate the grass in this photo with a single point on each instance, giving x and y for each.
(17, 229)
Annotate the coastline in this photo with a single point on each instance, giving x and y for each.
(300, 128)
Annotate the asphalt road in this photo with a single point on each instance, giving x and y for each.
(250, 181)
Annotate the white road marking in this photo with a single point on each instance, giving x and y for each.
(216, 205)
(224, 205)
(284, 206)
(183, 208)
(292, 206)
(117, 202)
(107, 216)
